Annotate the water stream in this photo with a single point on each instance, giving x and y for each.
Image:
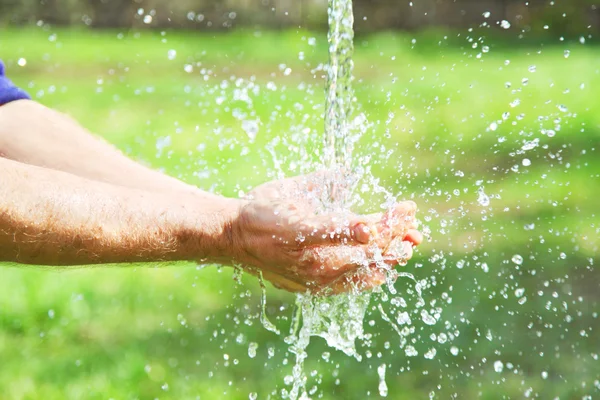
(337, 319)
(339, 138)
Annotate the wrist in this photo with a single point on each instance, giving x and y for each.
(228, 237)
(209, 235)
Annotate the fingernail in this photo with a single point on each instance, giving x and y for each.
(362, 233)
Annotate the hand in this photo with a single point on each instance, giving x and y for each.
(280, 234)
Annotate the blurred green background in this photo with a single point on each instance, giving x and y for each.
(455, 113)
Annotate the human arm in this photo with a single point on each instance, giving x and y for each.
(34, 134)
(50, 217)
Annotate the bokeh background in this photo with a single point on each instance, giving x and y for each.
(483, 112)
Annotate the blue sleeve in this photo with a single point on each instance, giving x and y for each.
(8, 91)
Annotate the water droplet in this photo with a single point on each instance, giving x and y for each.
(428, 318)
(532, 68)
(147, 19)
(251, 128)
(522, 300)
(430, 354)
(454, 350)
(498, 366)
(403, 318)
(171, 54)
(544, 375)
(312, 41)
(485, 267)
(550, 133)
(51, 314)
(21, 62)
(562, 108)
(517, 259)
(383, 389)
(252, 347)
(253, 396)
(504, 24)
(567, 53)
(487, 14)
(442, 338)
(482, 198)
(530, 145)
(493, 126)
(410, 351)
(526, 162)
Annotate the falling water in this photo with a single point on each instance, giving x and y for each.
(337, 319)
(340, 96)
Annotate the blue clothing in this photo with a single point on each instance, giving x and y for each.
(8, 91)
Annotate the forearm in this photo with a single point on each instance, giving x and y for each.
(36, 135)
(49, 217)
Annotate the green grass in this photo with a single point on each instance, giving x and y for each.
(118, 333)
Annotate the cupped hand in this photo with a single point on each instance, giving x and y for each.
(281, 233)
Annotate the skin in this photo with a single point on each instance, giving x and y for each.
(68, 198)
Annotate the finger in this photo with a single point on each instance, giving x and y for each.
(398, 220)
(414, 236)
(337, 229)
(353, 229)
(399, 250)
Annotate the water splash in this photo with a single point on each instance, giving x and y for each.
(339, 319)
(264, 320)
